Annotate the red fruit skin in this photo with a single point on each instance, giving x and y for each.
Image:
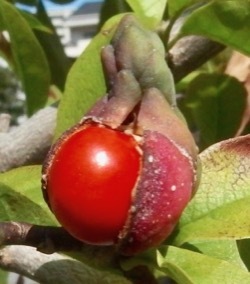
(163, 191)
(89, 178)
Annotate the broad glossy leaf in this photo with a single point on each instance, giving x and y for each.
(85, 82)
(220, 208)
(189, 267)
(29, 57)
(150, 12)
(216, 103)
(225, 21)
(21, 197)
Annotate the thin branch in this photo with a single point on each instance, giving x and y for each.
(23, 244)
(189, 53)
(28, 143)
(53, 268)
(46, 239)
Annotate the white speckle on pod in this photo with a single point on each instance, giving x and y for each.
(173, 187)
(157, 171)
(150, 159)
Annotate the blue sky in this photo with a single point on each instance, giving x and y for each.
(74, 4)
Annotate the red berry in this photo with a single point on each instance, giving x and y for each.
(90, 175)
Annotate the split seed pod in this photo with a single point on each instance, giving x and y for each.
(159, 177)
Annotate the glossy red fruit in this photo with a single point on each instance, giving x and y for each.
(90, 175)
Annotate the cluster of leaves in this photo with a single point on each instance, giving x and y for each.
(207, 245)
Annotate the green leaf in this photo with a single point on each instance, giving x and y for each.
(149, 12)
(189, 267)
(34, 23)
(21, 197)
(244, 250)
(26, 2)
(220, 208)
(59, 63)
(222, 249)
(3, 276)
(29, 58)
(230, 221)
(67, 271)
(177, 6)
(225, 21)
(216, 103)
(111, 8)
(85, 82)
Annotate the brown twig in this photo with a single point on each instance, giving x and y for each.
(51, 240)
(46, 239)
(189, 53)
(53, 268)
(27, 143)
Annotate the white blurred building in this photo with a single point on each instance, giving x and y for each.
(76, 27)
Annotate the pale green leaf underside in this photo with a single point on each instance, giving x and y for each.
(220, 208)
(187, 267)
(222, 249)
(225, 178)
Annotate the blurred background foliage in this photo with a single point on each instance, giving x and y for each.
(12, 100)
